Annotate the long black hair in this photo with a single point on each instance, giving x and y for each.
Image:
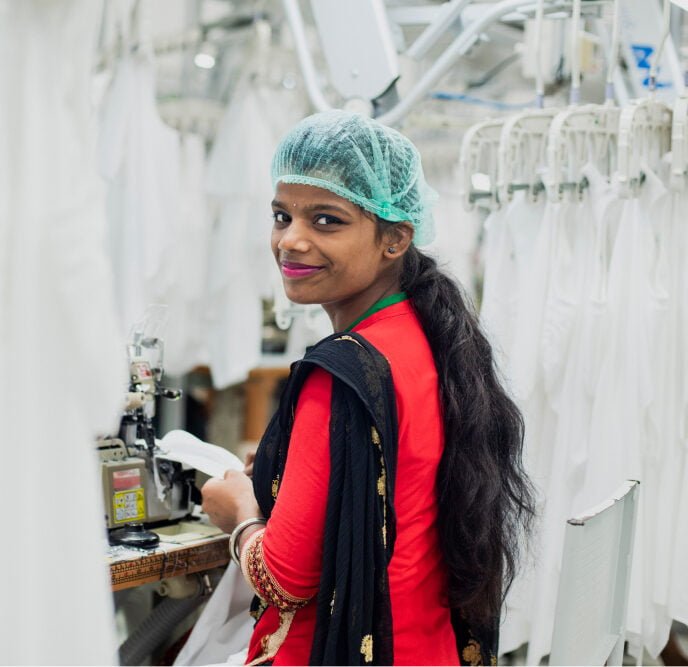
(485, 500)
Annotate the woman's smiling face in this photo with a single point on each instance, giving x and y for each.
(329, 250)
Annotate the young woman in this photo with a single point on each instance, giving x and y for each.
(388, 496)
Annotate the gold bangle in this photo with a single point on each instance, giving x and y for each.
(236, 535)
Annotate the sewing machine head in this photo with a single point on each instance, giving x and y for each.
(139, 484)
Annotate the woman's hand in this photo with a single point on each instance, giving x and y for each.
(229, 501)
(248, 463)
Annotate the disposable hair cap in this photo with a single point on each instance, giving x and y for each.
(357, 158)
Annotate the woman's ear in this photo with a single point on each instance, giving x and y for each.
(397, 239)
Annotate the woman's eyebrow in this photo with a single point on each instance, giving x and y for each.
(312, 207)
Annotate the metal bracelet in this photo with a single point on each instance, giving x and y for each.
(236, 535)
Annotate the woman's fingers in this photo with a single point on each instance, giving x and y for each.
(229, 501)
(248, 463)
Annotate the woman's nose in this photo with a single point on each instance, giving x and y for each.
(294, 238)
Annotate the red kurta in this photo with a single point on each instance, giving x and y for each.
(292, 542)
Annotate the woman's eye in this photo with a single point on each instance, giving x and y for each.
(280, 218)
(324, 220)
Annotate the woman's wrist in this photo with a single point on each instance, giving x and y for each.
(243, 530)
(248, 510)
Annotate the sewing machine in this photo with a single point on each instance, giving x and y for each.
(140, 486)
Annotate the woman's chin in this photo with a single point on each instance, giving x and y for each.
(300, 297)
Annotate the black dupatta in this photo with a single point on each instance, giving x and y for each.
(354, 617)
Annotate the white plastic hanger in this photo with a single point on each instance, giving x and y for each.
(523, 153)
(582, 134)
(577, 136)
(479, 154)
(644, 136)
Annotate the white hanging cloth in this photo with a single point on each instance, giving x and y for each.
(242, 269)
(239, 177)
(456, 231)
(62, 362)
(159, 226)
(224, 628)
(587, 315)
(139, 158)
(623, 440)
(187, 328)
(678, 580)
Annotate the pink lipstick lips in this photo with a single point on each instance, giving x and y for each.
(296, 270)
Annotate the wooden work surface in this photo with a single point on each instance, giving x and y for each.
(129, 568)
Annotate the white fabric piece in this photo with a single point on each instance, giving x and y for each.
(186, 298)
(507, 263)
(456, 230)
(592, 337)
(139, 158)
(623, 437)
(186, 448)
(239, 176)
(678, 581)
(664, 410)
(562, 451)
(242, 268)
(224, 627)
(541, 323)
(158, 220)
(62, 361)
(510, 234)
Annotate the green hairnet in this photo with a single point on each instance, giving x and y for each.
(363, 161)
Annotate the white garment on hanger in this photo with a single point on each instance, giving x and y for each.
(139, 158)
(667, 450)
(510, 242)
(510, 234)
(562, 453)
(540, 344)
(623, 439)
(678, 577)
(189, 241)
(62, 360)
(242, 267)
(456, 230)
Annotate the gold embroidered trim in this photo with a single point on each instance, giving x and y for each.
(257, 613)
(243, 556)
(350, 338)
(272, 643)
(381, 483)
(367, 648)
(275, 487)
(375, 436)
(471, 654)
(263, 581)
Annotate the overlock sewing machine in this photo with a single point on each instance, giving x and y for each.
(140, 486)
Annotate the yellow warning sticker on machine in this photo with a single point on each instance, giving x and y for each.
(129, 505)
